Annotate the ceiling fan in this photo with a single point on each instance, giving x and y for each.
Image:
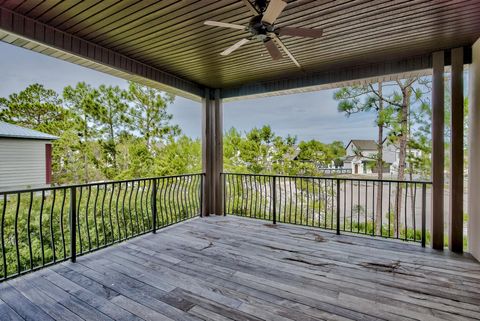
(262, 27)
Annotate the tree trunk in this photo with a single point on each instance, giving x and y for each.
(114, 144)
(404, 110)
(85, 157)
(378, 210)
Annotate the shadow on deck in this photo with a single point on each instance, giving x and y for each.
(230, 268)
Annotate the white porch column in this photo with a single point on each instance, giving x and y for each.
(474, 154)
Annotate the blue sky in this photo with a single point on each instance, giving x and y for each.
(308, 115)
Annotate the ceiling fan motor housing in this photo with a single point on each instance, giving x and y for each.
(259, 29)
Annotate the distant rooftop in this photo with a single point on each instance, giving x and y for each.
(363, 144)
(13, 131)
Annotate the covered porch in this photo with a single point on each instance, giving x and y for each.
(231, 268)
(215, 267)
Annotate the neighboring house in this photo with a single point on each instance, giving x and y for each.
(361, 156)
(25, 157)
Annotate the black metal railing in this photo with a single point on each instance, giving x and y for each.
(384, 208)
(40, 227)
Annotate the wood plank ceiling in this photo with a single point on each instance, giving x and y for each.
(170, 35)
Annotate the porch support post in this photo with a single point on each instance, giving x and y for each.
(438, 153)
(218, 153)
(456, 154)
(474, 154)
(212, 152)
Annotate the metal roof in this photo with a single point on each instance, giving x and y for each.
(167, 42)
(8, 130)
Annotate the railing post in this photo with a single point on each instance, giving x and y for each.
(338, 206)
(274, 200)
(154, 206)
(73, 224)
(424, 214)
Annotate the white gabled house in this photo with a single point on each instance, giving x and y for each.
(25, 157)
(361, 156)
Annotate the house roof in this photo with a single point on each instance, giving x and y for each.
(8, 130)
(363, 144)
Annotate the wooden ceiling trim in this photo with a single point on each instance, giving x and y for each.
(356, 29)
(27, 28)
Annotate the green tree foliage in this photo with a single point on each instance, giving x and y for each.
(82, 100)
(113, 120)
(38, 108)
(262, 151)
(149, 115)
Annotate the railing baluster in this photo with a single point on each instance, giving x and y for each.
(274, 199)
(201, 192)
(224, 194)
(40, 226)
(29, 236)
(4, 253)
(154, 206)
(97, 244)
(78, 220)
(103, 214)
(62, 231)
(52, 235)
(338, 207)
(73, 224)
(86, 218)
(424, 214)
(110, 213)
(125, 224)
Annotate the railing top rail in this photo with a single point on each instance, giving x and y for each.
(333, 178)
(51, 188)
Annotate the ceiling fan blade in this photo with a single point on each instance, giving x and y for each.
(274, 9)
(285, 49)
(224, 24)
(272, 49)
(237, 45)
(300, 32)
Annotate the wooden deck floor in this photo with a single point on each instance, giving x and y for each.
(229, 268)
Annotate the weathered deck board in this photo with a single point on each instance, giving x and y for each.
(230, 268)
